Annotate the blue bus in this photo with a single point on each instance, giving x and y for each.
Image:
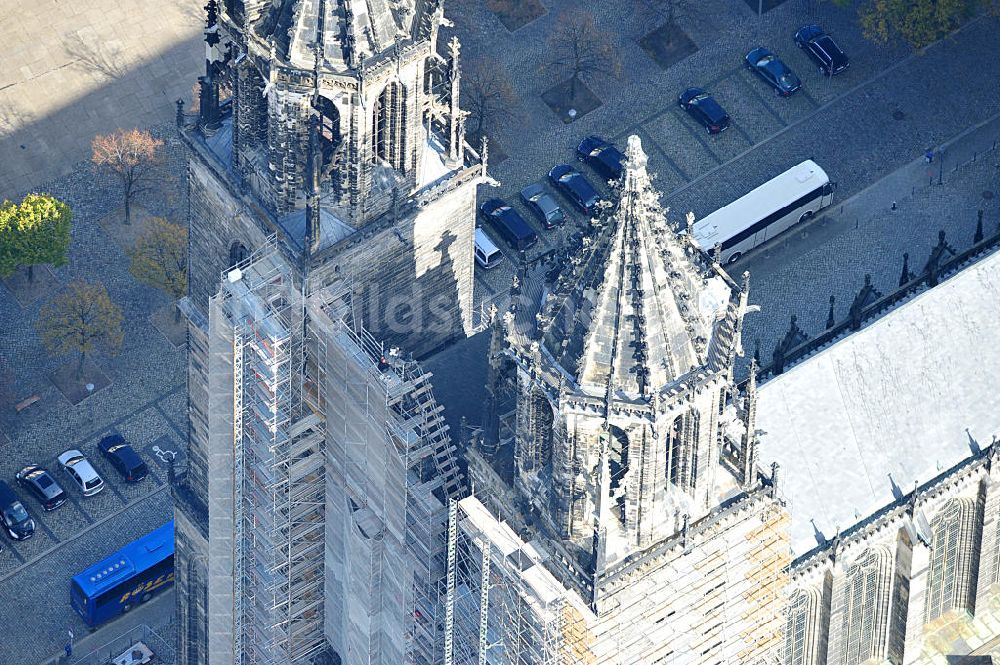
(130, 576)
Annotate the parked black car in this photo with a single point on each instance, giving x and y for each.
(42, 486)
(601, 156)
(15, 518)
(126, 461)
(508, 223)
(822, 49)
(702, 107)
(776, 73)
(576, 188)
(544, 205)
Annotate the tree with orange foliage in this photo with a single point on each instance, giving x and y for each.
(130, 156)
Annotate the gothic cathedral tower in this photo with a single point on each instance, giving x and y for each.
(328, 143)
(335, 124)
(629, 489)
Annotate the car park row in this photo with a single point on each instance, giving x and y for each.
(607, 161)
(38, 482)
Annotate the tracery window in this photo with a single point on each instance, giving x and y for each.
(951, 581)
(866, 607)
(802, 629)
(389, 125)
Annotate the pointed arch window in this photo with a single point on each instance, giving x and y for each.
(954, 559)
(389, 135)
(329, 128)
(618, 465)
(865, 618)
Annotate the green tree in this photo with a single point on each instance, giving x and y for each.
(917, 22)
(33, 232)
(159, 259)
(79, 320)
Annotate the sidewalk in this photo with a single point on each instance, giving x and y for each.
(799, 272)
(99, 647)
(977, 142)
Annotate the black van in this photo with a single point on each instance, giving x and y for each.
(15, 518)
(509, 224)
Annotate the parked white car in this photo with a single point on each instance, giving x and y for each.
(83, 474)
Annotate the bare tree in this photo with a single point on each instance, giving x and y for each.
(130, 156)
(579, 50)
(666, 10)
(488, 95)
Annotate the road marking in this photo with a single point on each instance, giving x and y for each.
(79, 506)
(47, 530)
(809, 98)
(166, 456)
(649, 140)
(741, 132)
(118, 494)
(17, 555)
(748, 85)
(38, 557)
(698, 135)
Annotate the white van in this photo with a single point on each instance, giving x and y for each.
(488, 255)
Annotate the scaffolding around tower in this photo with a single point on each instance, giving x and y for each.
(277, 521)
(505, 608)
(391, 470)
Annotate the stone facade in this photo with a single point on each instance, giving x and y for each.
(328, 141)
(629, 533)
(883, 588)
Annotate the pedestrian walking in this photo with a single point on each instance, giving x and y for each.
(929, 156)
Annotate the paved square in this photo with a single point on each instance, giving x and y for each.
(75, 69)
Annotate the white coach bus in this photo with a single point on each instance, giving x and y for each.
(790, 198)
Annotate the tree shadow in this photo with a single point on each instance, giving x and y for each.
(13, 117)
(101, 59)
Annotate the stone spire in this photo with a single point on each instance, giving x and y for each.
(748, 456)
(352, 31)
(456, 116)
(642, 324)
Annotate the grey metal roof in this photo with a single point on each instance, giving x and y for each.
(896, 403)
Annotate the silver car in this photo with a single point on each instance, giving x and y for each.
(543, 205)
(83, 474)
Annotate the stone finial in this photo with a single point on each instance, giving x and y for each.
(635, 157)
(211, 14)
(745, 285)
(911, 503)
(684, 530)
(717, 253)
(454, 46)
(484, 152)
(508, 320)
(180, 112)
(689, 223)
(906, 275)
(774, 478)
(835, 545)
